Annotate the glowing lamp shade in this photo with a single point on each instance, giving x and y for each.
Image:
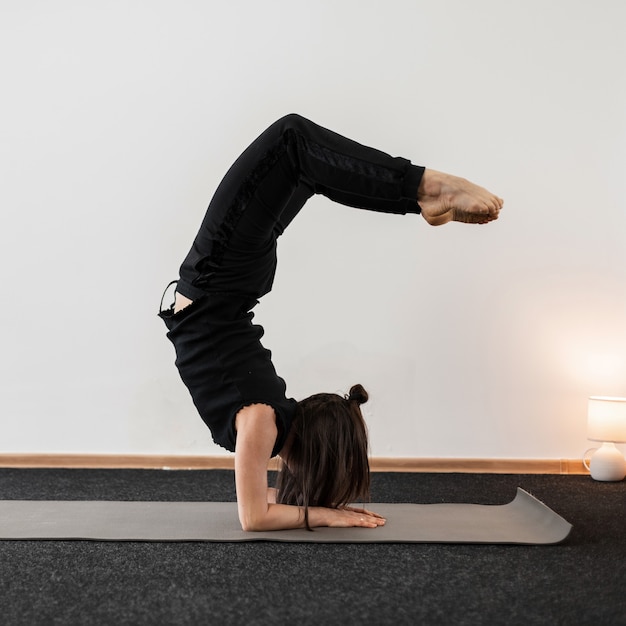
(606, 422)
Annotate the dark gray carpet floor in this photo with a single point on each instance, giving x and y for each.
(582, 581)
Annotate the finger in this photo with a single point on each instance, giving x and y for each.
(376, 515)
(373, 520)
(364, 511)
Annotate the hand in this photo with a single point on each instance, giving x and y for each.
(348, 517)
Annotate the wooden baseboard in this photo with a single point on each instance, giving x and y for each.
(378, 464)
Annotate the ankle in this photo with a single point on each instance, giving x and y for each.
(431, 185)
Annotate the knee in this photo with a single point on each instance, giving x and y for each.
(293, 121)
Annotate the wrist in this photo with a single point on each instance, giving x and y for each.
(318, 516)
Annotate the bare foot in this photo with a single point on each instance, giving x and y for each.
(444, 198)
(181, 302)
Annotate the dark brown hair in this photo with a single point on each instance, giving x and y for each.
(327, 463)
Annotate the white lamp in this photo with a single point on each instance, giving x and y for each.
(606, 422)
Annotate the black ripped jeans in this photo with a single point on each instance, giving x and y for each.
(232, 261)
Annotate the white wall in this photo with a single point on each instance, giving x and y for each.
(119, 118)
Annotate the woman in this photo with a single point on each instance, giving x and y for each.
(321, 440)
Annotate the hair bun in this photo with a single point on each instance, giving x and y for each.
(357, 394)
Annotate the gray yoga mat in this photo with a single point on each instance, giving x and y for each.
(525, 520)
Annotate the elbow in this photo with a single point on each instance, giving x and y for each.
(247, 525)
(252, 523)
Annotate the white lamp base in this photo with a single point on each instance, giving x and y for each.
(607, 463)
